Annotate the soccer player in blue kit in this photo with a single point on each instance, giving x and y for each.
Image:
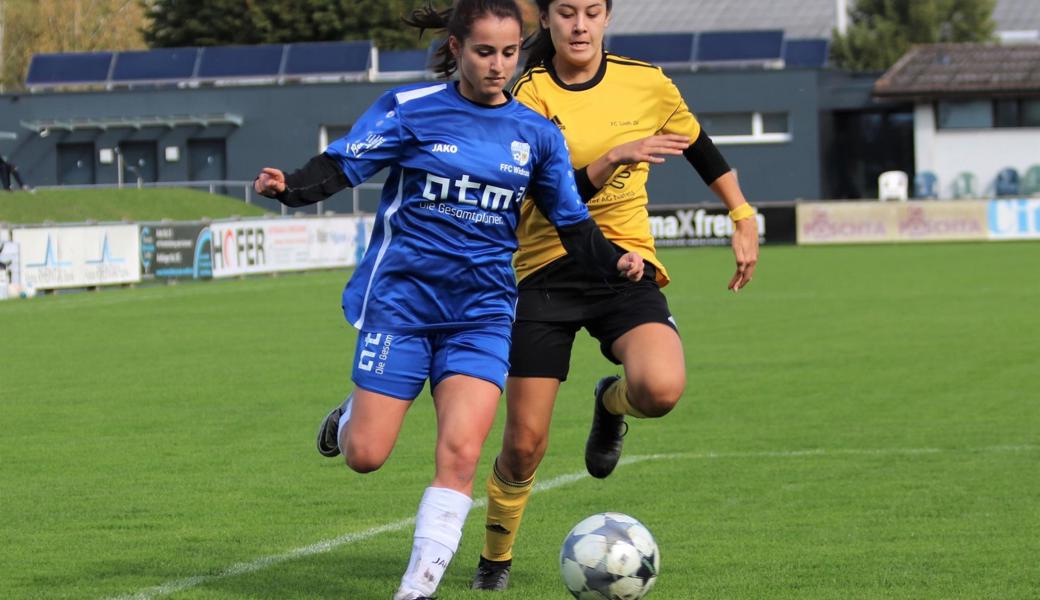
(434, 295)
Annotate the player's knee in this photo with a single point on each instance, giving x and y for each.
(363, 459)
(522, 454)
(657, 398)
(459, 459)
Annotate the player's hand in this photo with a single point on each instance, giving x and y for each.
(270, 182)
(630, 266)
(745, 249)
(651, 149)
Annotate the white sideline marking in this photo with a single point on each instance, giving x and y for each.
(179, 585)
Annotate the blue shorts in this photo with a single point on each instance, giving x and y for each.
(398, 365)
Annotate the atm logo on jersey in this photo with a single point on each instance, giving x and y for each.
(521, 153)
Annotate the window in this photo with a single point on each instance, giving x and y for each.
(747, 127)
(330, 133)
(965, 114)
(1005, 113)
(1030, 113)
(723, 124)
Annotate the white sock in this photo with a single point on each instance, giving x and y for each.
(344, 418)
(438, 529)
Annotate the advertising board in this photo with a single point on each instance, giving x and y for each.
(711, 226)
(273, 245)
(176, 251)
(81, 256)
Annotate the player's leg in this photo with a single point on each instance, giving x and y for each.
(468, 374)
(538, 361)
(638, 332)
(389, 371)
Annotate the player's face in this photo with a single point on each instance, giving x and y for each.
(487, 58)
(577, 28)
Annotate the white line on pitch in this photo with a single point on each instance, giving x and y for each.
(324, 546)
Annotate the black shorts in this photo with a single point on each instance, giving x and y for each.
(547, 320)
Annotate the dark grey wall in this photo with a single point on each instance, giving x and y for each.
(767, 172)
(281, 127)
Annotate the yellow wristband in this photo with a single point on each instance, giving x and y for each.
(744, 211)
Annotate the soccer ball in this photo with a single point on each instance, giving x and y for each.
(609, 556)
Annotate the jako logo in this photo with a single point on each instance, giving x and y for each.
(446, 148)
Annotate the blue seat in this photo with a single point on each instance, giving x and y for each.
(1031, 181)
(1007, 182)
(926, 185)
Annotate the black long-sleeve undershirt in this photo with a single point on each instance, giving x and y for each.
(323, 176)
(315, 181)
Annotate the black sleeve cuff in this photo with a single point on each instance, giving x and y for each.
(590, 248)
(585, 187)
(706, 158)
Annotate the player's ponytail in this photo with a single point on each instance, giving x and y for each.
(539, 46)
(458, 21)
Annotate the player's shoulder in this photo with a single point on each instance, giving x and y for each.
(634, 68)
(530, 118)
(530, 79)
(416, 93)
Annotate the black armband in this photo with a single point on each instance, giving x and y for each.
(315, 181)
(706, 158)
(585, 187)
(590, 248)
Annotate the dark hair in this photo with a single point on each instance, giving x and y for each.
(539, 46)
(458, 21)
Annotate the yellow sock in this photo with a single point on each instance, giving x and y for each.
(506, 503)
(616, 400)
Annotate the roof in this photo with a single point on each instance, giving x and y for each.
(798, 18)
(935, 70)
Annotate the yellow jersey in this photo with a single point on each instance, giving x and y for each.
(626, 100)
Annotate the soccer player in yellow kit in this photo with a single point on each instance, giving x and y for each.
(618, 116)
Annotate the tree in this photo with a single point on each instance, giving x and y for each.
(222, 22)
(34, 26)
(881, 31)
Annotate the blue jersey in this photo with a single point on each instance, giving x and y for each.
(445, 231)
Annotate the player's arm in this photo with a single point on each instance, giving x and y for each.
(706, 159)
(555, 194)
(315, 181)
(587, 244)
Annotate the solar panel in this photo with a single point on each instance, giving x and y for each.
(657, 48)
(316, 58)
(155, 65)
(227, 62)
(811, 53)
(394, 61)
(756, 46)
(69, 68)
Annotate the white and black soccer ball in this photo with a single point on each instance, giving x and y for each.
(609, 556)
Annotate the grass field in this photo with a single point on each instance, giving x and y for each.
(69, 206)
(863, 422)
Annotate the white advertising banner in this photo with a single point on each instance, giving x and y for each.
(273, 245)
(1014, 219)
(875, 222)
(87, 256)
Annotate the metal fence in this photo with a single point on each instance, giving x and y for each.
(363, 198)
